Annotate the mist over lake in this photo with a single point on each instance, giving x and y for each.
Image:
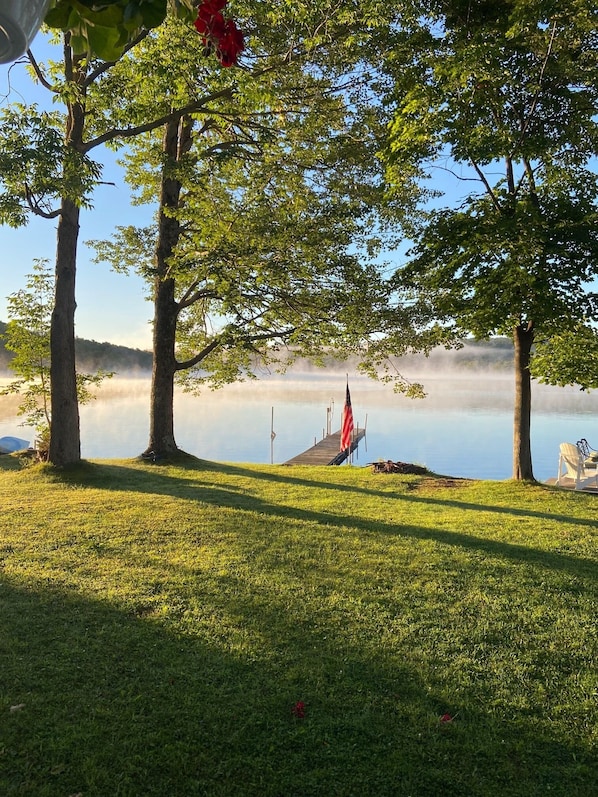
(462, 428)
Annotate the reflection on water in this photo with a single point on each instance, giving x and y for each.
(462, 428)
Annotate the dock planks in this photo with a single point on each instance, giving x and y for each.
(327, 451)
(569, 484)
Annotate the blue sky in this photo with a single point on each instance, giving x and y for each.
(110, 307)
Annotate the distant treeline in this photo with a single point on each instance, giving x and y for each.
(93, 356)
(495, 354)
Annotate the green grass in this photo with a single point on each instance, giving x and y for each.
(159, 623)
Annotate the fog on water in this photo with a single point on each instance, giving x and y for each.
(462, 428)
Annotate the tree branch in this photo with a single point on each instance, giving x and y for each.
(191, 296)
(106, 65)
(219, 341)
(529, 173)
(173, 116)
(68, 57)
(182, 366)
(36, 209)
(486, 185)
(536, 97)
(40, 75)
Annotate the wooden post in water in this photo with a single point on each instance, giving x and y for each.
(329, 414)
(272, 436)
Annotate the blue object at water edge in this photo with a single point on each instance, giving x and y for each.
(10, 444)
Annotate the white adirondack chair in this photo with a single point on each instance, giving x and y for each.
(572, 459)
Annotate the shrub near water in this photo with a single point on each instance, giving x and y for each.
(213, 629)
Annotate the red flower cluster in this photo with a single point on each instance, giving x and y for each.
(218, 33)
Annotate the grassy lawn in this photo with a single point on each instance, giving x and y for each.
(160, 624)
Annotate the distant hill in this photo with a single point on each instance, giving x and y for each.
(494, 354)
(93, 356)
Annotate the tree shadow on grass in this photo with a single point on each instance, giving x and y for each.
(117, 477)
(10, 462)
(96, 700)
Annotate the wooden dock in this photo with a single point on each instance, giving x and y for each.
(327, 451)
(569, 484)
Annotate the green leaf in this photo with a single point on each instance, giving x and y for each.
(106, 17)
(132, 17)
(153, 12)
(79, 44)
(104, 42)
(58, 17)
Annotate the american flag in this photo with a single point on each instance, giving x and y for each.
(347, 422)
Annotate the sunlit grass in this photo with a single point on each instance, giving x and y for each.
(159, 623)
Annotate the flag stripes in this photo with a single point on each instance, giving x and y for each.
(347, 422)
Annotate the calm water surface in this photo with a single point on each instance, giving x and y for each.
(462, 428)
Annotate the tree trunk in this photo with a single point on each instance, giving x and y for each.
(65, 436)
(176, 141)
(523, 338)
(65, 439)
(161, 436)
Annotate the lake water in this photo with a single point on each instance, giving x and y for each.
(462, 428)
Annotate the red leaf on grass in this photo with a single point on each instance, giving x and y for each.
(298, 709)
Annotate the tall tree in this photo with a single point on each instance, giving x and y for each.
(27, 335)
(262, 195)
(46, 170)
(57, 180)
(502, 96)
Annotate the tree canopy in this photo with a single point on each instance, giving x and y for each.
(503, 97)
(271, 213)
(109, 102)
